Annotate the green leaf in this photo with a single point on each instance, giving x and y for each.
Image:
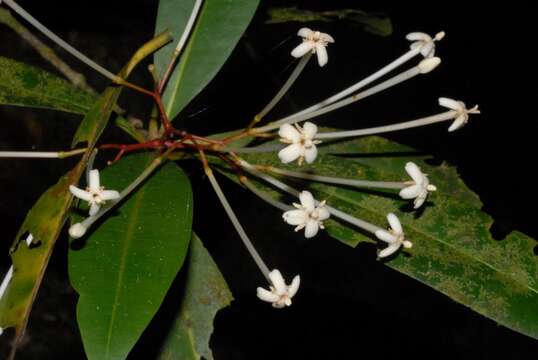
(45, 221)
(25, 85)
(126, 266)
(218, 29)
(205, 293)
(377, 24)
(47, 217)
(453, 250)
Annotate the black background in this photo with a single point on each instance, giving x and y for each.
(349, 304)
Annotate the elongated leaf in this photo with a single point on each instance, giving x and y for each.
(46, 218)
(453, 250)
(218, 29)
(25, 85)
(126, 266)
(377, 24)
(205, 293)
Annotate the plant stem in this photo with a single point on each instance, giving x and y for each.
(237, 225)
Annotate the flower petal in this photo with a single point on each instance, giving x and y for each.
(278, 282)
(321, 52)
(290, 133)
(414, 171)
(389, 250)
(326, 38)
(450, 103)
(311, 229)
(323, 213)
(419, 200)
(307, 200)
(385, 236)
(292, 289)
(394, 223)
(94, 209)
(309, 130)
(410, 192)
(305, 32)
(295, 217)
(458, 123)
(302, 49)
(81, 194)
(310, 154)
(94, 182)
(109, 195)
(428, 49)
(266, 295)
(418, 36)
(290, 153)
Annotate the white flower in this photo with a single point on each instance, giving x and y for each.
(424, 42)
(280, 294)
(394, 237)
(419, 187)
(307, 216)
(462, 113)
(314, 41)
(302, 144)
(95, 194)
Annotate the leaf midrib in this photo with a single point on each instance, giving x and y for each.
(129, 238)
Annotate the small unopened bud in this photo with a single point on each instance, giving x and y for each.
(428, 64)
(77, 230)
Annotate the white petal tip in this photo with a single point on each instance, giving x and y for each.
(439, 36)
(77, 230)
(427, 65)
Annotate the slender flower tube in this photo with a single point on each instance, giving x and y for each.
(414, 51)
(41, 154)
(237, 225)
(394, 237)
(459, 114)
(424, 67)
(314, 42)
(371, 228)
(279, 294)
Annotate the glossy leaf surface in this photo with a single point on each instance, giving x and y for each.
(25, 85)
(124, 268)
(205, 293)
(220, 25)
(453, 250)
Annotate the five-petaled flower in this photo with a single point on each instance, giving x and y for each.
(302, 144)
(419, 187)
(280, 294)
(307, 216)
(394, 237)
(424, 42)
(462, 113)
(95, 194)
(315, 42)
